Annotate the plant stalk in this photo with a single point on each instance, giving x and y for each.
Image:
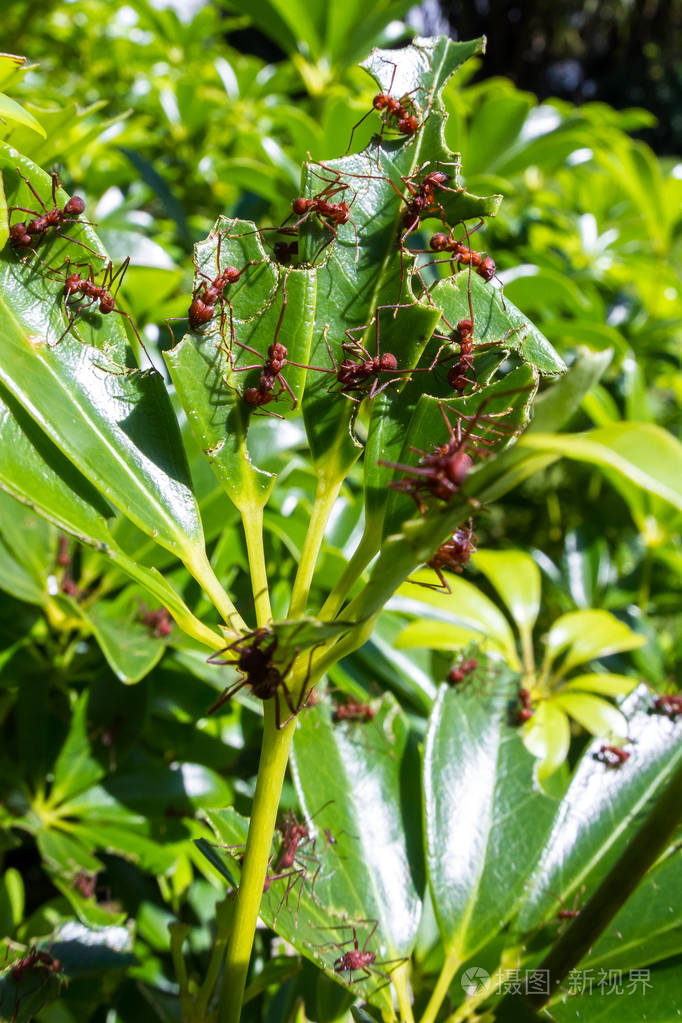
(450, 967)
(271, 771)
(362, 556)
(325, 496)
(252, 521)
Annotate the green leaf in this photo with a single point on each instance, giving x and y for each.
(516, 577)
(593, 713)
(586, 635)
(210, 381)
(645, 454)
(354, 280)
(465, 607)
(608, 684)
(646, 930)
(606, 803)
(486, 820)
(10, 110)
(654, 996)
(548, 737)
(129, 646)
(75, 768)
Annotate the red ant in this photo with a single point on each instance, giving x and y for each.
(442, 472)
(354, 375)
(330, 215)
(28, 235)
(360, 960)
(255, 652)
(422, 202)
(669, 704)
(95, 294)
(271, 369)
(397, 115)
(212, 291)
(524, 710)
(351, 710)
(458, 673)
(29, 963)
(159, 621)
(612, 756)
(452, 554)
(462, 255)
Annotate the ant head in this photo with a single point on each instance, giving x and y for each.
(388, 362)
(465, 329)
(380, 101)
(107, 303)
(277, 352)
(301, 205)
(487, 268)
(436, 178)
(71, 284)
(19, 236)
(439, 242)
(231, 274)
(75, 206)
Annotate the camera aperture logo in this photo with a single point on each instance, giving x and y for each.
(474, 979)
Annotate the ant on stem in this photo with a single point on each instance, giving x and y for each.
(459, 673)
(524, 710)
(398, 114)
(452, 555)
(254, 659)
(24, 235)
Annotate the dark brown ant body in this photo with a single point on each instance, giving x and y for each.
(459, 673)
(94, 294)
(612, 756)
(255, 652)
(330, 215)
(31, 961)
(422, 202)
(28, 235)
(211, 291)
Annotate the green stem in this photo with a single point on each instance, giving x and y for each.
(271, 770)
(200, 567)
(325, 496)
(450, 967)
(252, 520)
(364, 553)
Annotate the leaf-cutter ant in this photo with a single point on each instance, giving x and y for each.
(254, 659)
(28, 235)
(451, 555)
(459, 673)
(399, 115)
(211, 292)
(352, 710)
(443, 471)
(523, 710)
(669, 704)
(612, 756)
(360, 960)
(330, 215)
(159, 621)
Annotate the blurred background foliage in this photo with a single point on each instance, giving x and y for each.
(165, 116)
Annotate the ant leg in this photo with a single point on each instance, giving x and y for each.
(442, 586)
(120, 274)
(30, 186)
(227, 694)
